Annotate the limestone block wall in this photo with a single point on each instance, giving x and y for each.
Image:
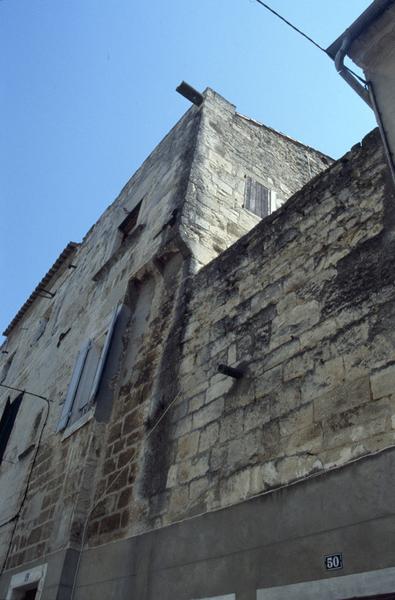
(229, 149)
(132, 475)
(305, 305)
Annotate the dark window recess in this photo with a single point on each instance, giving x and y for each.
(7, 422)
(6, 367)
(256, 198)
(29, 594)
(62, 336)
(128, 224)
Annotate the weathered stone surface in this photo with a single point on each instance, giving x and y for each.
(342, 398)
(383, 382)
(231, 426)
(193, 469)
(297, 419)
(208, 413)
(188, 445)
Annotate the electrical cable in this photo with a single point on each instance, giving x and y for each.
(16, 516)
(291, 25)
(176, 397)
(307, 37)
(9, 387)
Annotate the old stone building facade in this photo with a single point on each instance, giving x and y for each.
(214, 413)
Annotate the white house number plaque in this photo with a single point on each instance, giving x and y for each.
(334, 562)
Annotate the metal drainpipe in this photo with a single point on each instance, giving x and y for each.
(345, 73)
(383, 133)
(367, 94)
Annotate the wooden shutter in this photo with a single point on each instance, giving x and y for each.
(104, 354)
(256, 198)
(261, 200)
(72, 389)
(7, 422)
(248, 199)
(83, 395)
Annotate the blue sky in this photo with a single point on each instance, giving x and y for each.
(87, 91)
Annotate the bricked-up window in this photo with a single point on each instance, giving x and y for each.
(130, 222)
(7, 422)
(87, 374)
(256, 198)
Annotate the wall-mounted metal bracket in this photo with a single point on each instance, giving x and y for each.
(190, 93)
(45, 293)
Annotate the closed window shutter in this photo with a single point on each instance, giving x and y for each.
(256, 198)
(248, 195)
(83, 395)
(72, 389)
(104, 354)
(262, 200)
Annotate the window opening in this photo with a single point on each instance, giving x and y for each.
(257, 198)
(130, 222)
(7, 422)
(30, 594)
(27, 585)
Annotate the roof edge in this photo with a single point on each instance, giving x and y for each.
(372, 13)
(63, 256)
(284, 136)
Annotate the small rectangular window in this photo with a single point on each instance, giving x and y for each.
(130, 222)
(257, 198)
(7, 422)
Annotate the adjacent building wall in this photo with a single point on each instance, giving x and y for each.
(374, 52)
(304, 305)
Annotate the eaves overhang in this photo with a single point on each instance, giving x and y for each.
(372, 13)
(59, 262)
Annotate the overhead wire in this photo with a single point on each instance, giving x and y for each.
(15, 518)
(307, 37)
(291, 25)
